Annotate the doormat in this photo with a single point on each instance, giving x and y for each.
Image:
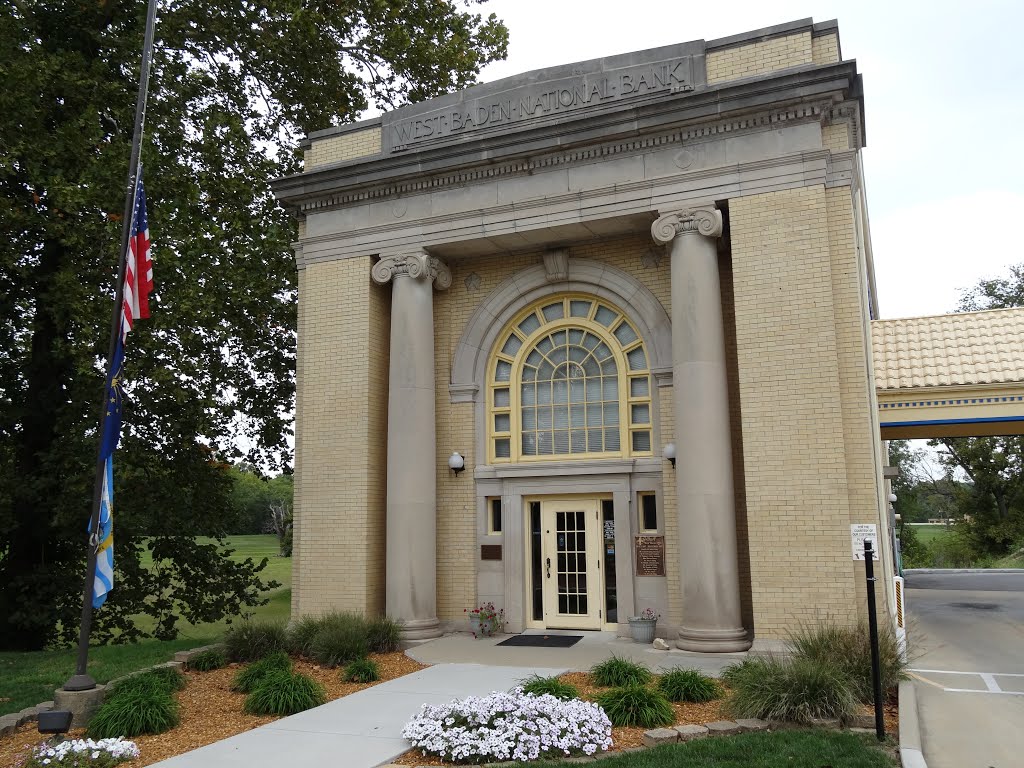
(543, 641)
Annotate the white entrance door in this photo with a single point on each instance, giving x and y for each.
(570, 565)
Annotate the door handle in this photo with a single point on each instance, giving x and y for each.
(549, 567)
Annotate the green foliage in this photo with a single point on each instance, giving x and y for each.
(382, 634)
(208, 660)
(284, 693)
(133, 710)
(796, 689)
(361, 671)
(619, 671)
(688, 685)
(170, 677)
(795, 748)
(636, 706)
(229, 100)
(340, 639)
(301, 634)
(161, 680)
(248, 679)
(848, 649)
(252, 640)
(552, 686)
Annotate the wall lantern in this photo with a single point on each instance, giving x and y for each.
(456, 463)
(669, 452)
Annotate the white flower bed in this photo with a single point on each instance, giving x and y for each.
(83, 752)
(510, 726)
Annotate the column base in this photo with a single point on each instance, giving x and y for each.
(419, 631)
(713, 640)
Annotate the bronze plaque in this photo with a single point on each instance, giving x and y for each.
(490, 551)
(650, 555)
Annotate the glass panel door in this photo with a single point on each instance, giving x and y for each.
(572, 590)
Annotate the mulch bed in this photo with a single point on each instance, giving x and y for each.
(211, 712)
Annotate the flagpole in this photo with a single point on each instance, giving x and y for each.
(81, 680)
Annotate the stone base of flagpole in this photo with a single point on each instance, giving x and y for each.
(81, 704)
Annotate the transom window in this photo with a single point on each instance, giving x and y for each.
(569, 377)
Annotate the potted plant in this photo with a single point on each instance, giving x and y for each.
(486, 620)
(643, 626)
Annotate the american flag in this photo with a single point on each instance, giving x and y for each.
(138, 282)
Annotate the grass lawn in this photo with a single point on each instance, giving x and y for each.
(29, 678)
(926, 534)
(780, 749)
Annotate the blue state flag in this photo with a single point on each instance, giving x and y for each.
(103, 539)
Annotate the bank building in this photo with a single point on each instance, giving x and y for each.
(595, 339)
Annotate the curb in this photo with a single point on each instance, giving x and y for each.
(961, 570)
(910, 729)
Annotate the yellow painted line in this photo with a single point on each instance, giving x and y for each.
(926, 680)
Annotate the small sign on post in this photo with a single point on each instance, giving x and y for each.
(861, 532)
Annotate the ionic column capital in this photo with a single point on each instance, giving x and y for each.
(414, 265)
(705, 221)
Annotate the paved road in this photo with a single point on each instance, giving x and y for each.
(967, 647)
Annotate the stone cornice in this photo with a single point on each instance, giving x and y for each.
(801, 94)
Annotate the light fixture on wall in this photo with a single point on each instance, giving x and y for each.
(456, 463)
(669, 452)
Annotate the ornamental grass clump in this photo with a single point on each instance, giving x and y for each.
(552, 686)
(206, 661)
(282, 692)
(161, 680)
(797, 690)
(383, 634)
(252, 640)
(617, 671)
(361, 671)
(79, 753)
(249, 678)
(509, 725)
(300, 635)
(636, 706)
(688, 685)
(133, 711)
(849, 649)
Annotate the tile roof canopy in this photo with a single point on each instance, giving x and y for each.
(962, 349)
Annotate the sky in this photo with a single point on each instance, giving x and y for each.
(944, 107)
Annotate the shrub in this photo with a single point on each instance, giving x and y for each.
(849, 649)
(301, 634)
(618, 671)
(79, 752)
(282, 692)
(208, 660)
(509, 726)
(383, 634)
(796, 689)
(340, 639)
(636, 705)
(361, 671)
(248, 679)
(688, 685)
(169, 677)
(134, 710)
(252, 640)
(552, 686)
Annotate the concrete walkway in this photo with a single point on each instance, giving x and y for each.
(361, 730)
(594, 647)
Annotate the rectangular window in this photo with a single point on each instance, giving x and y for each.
(648, 508)
(610, 597)
(494, 514)
(535, 562)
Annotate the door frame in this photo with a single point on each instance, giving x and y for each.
(598, 587)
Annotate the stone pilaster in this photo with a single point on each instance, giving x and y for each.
(708, 560)
(411, 567)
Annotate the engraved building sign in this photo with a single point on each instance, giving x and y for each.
(650, 555)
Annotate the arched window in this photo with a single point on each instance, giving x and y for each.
(569, 378)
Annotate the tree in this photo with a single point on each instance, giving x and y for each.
(234, 85)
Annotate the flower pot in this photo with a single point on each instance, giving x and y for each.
(483, 627)
(642, 629)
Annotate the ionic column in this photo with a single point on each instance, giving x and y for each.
(708, 561)
(411, 573)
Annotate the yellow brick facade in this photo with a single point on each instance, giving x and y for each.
(758, 58)
(340, 463)
(835, 136)
(825, 49)
(347, 146)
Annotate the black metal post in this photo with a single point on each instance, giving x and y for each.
(876, 668)
(81, 680)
